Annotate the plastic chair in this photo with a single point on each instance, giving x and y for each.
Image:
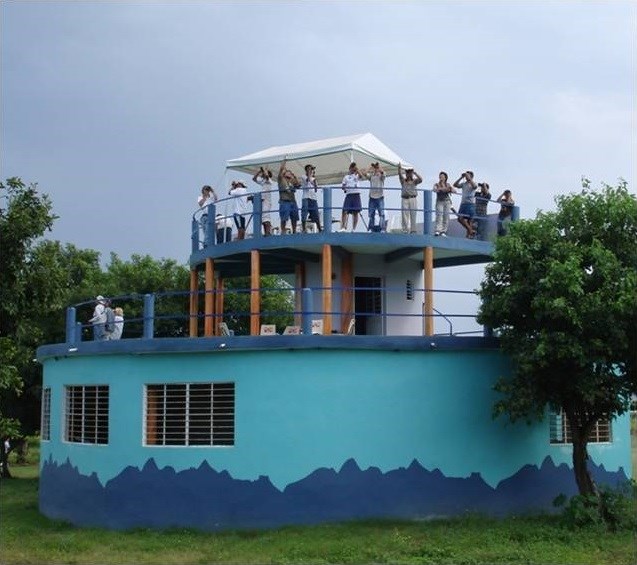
(268, 329)
(317, 327)
(223, 328)
(292, 330)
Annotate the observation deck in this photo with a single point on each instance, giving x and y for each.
(330, 261)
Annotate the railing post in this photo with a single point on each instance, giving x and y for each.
(149, 316)
(515, 214)
(307, 307)
(426, 221)
(194, 237)
(70, 325)
(257, 214)
(211, 231)
(327, 209)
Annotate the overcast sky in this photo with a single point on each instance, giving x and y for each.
(121, 111)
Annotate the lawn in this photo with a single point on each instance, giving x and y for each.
(27, 537)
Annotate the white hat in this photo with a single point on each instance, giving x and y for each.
(100, 298)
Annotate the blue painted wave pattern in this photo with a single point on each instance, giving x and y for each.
(206, 499)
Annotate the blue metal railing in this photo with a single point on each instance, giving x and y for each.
(207, 227)
(150, 321)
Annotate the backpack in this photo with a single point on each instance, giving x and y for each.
(109, 325)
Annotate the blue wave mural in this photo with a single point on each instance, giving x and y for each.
(213, 500)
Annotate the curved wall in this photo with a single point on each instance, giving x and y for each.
(320, 434)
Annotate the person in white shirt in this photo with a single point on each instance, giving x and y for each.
(99, 319)
(240, 200)
(352, 202)
(309, 203)
(264, 179)
(118, 326)
(224, 228)
(208, 196)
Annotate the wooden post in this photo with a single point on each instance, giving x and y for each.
(347, 292)
(299, 285)
(194, 303)
(218, 304)
(428, 287)
(327, 289)
(209, 300)
(255, 292)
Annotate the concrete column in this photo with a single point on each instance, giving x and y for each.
(307, 308)
(70, 325)
(149, 316)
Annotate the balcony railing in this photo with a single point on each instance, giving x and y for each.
(167, 314)
(209, 223)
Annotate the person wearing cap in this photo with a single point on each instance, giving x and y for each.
(309, 203)
(408, 195)
(240, 200)
(288, 208)
(352, 203)
(376, 177)
(99, 319)
(208, 196)
(467, 210)
(263, 178)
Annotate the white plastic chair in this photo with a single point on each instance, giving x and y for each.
(268, 329)
(317, 327)
(223, 327)
(292, 330)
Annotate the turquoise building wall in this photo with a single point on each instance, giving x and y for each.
(300, 410)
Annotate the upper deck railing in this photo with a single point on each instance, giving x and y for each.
(210, 224)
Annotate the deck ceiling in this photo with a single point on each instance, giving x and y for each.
(234, 259)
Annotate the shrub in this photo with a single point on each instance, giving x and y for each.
(613, 509)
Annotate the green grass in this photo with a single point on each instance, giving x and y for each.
(28, 537)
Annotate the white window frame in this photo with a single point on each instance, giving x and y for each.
(560, 429)
(45, 415)
(96, 419)
(218, 426)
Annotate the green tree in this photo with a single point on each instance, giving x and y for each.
(562, 295)
(25, 216)
(277, 303)
(58, 274)
(126, 282)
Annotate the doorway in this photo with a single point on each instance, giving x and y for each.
(368, 305)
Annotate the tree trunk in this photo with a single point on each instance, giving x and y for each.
(4, 457)
(585, 483)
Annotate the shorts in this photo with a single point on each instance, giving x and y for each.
(352, 203)
(288, 211)
(467, 210)
(309, 206)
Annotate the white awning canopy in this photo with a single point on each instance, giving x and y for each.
(331, 157)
